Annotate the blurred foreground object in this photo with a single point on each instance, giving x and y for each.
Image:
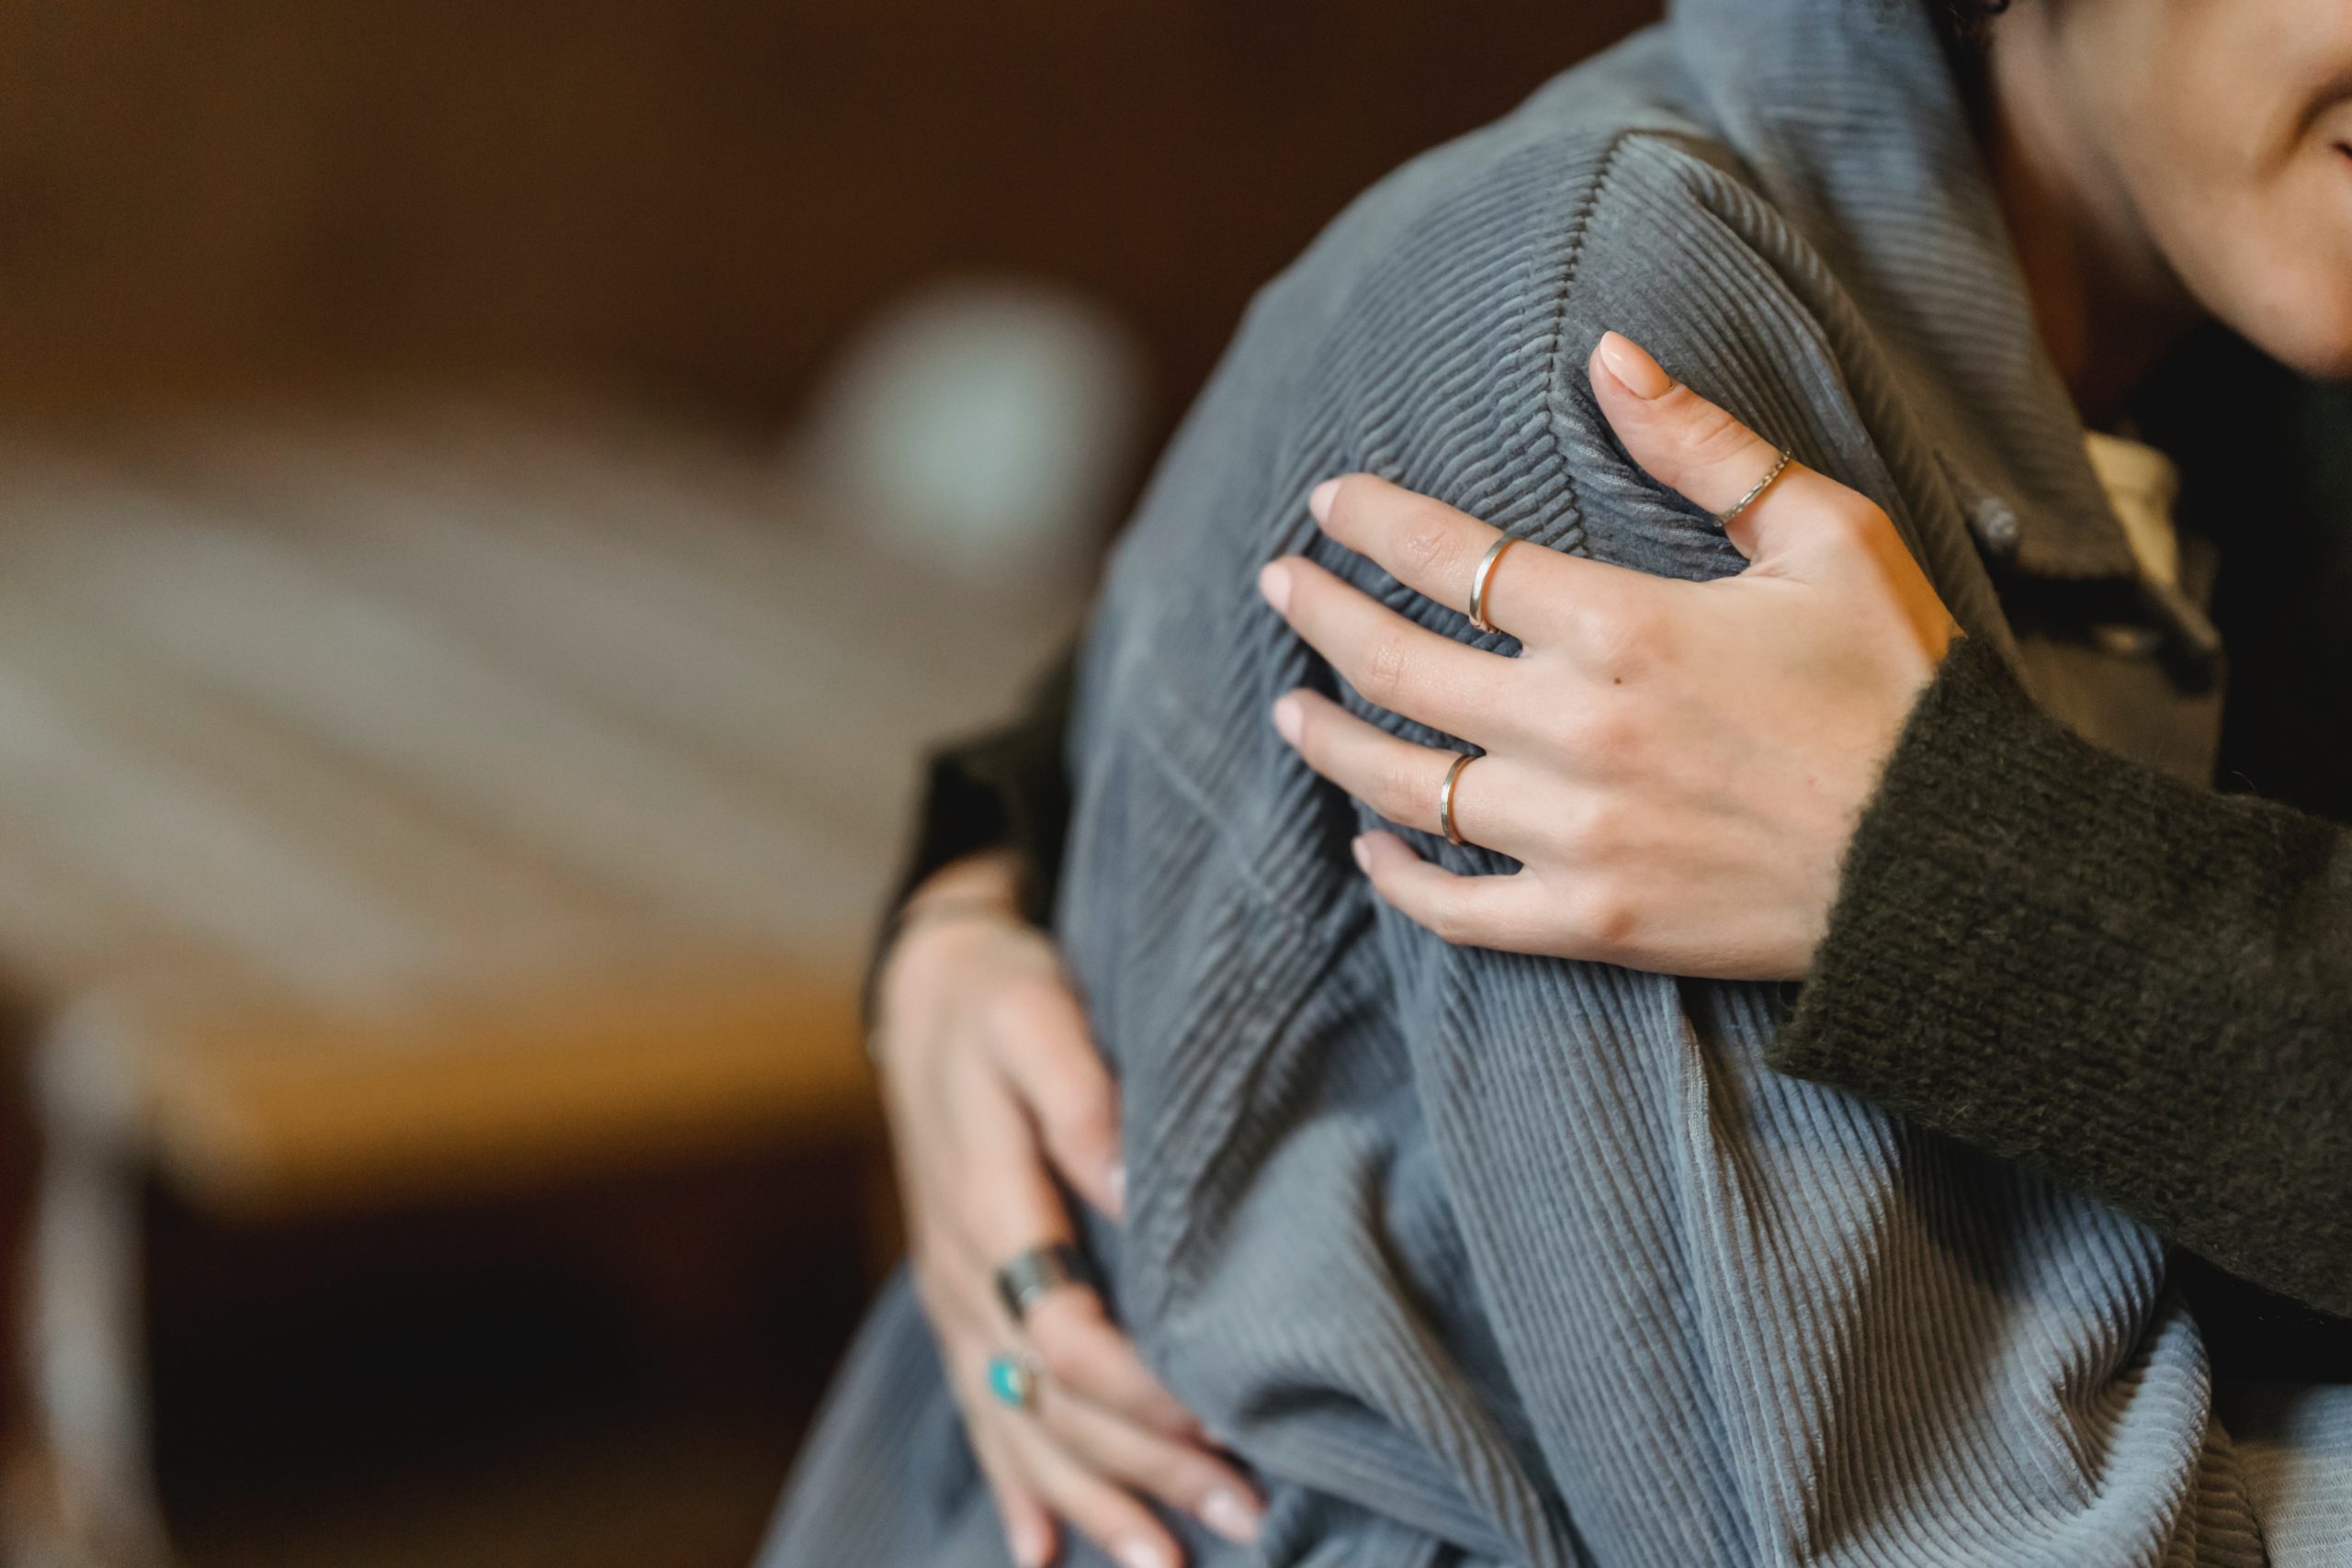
(983, 428)
(424, 798)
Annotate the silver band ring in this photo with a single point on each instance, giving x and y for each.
(1762, 485)
(1479, 580)
(1038, 1272)
(1445, 798)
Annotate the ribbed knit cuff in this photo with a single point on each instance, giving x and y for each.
(2068, 959)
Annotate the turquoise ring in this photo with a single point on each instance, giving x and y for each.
(1013, 1380)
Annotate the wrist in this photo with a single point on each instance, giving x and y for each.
(987, 879)
(982, 888)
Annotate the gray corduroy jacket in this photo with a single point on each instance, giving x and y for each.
(1479, 1258)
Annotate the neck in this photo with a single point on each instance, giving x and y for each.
(2107, 305)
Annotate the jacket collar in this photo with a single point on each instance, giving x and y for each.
(1849, 119)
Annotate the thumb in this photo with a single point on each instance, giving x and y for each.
(1690, 445)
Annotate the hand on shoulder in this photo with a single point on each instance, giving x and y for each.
(1676, 766)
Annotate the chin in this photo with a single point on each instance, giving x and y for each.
(2277, 275)
(2307, 330)
(2321, 357)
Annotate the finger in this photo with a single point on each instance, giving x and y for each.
(991, 1186)
(1038, 1037)
(1395, 664)
(959, 1296)
(1029, 1532)
(1085, 1353)
(1102, 1512)
(1177, 1468)
(1501, 912)
(1005, 1204)
(1079, 1349)
(1186, 1477)
(1690, 445)
(1437, 551)
(1400, 781)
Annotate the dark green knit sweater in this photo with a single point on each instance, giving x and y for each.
(2067, 959)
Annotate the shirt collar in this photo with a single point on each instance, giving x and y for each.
(1849, 119)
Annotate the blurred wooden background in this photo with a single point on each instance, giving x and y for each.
(210, 205)
(698, 195)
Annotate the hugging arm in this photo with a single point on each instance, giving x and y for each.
(2046, 951)
(2069, 958)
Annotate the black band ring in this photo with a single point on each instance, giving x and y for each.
(1039, 1270)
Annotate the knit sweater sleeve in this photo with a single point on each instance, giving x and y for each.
(1006, 787)
(2068, 959)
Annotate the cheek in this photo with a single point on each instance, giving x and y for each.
(2249, 200)
(2263, 244)
(2292, 266)
(2309, 331)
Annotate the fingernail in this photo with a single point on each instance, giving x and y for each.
(1287, 716)
(1643, 375)
(1319, 500)
(1138, 1553)
(1273, 581)
(1362, 851)
(1116, 1182)
(1230, 1515)
(1029, 1545)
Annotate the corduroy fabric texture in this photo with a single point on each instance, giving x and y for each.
(1482, 1259)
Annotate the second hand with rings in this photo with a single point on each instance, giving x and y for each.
(1016, 1378)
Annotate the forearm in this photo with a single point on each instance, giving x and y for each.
(2065, 958)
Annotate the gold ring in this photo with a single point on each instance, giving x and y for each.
(1479, 580)
(1445, 798)
(1723, 518)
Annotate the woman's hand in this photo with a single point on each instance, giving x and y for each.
(991, 1086)
(1676, 766)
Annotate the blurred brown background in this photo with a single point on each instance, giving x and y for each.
(699, 194)
(438, 1307)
